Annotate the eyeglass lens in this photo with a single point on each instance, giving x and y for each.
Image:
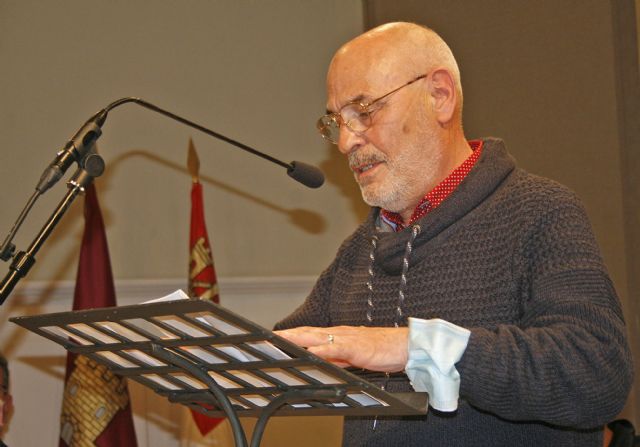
(355, 116)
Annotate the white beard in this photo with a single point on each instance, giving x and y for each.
(398, 190)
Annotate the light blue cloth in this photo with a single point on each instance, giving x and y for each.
(434, 348)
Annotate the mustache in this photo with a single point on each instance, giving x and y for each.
(359, 158)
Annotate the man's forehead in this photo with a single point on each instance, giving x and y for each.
(347, 90)
(357, 80)
(362, 69)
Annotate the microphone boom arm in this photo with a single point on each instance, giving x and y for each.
(308, 175)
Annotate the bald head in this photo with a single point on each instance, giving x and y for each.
(392, 54)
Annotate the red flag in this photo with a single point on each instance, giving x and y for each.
(203, 283)
(95, 408)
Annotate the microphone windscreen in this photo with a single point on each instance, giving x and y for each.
(306, 174)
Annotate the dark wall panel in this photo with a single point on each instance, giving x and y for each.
(558, 81)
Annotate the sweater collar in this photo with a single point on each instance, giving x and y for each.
(438, 194)
(494, 165)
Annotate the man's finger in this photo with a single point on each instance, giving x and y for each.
(306, 336)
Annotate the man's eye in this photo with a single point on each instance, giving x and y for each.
(363, 114)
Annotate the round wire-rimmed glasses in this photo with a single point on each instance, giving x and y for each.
(355, 115)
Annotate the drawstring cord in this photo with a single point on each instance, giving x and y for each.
(415, 231)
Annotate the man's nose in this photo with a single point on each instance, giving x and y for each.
(349, 140)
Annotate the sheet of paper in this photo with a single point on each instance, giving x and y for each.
(119, 329)
(236, 353)
(319, 375)
(250, 378)
(366, 400)
(174, 296)
(257, 400)
(217, 323)
(150, 328)
(203, 354)
(284, 377)
(118, 360)
(144, 358)
(192, 382)
(94, 333)
(66, 335)
(223, 381)
(269, 349)
(182, 326)
(162, 382)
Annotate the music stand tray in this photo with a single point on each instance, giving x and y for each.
(199, 354)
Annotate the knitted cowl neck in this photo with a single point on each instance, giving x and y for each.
(494, 165)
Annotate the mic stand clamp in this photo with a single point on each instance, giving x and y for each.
(91, 167)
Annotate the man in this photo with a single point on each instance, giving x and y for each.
(482, 282)
(6, 401)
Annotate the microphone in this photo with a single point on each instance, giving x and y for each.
(306, 174)
(74, 151)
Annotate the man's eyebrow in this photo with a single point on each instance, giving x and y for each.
(356, 99)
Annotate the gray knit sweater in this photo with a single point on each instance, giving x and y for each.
(511, 257)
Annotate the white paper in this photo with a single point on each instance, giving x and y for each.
(221, 325)
(319, 375)
(194, 383)
(269, 349)
(151, 328)
(203, 354)
(301, 405)
(182, 326)
(250, 378)
(115, 358)
(174, 296)
(366, 400)
(236, 353)
(236, 403)
(66, 335)
(258, 400)
(162, 382)
(223, 381)
(94, 333)
(144, 358)
(119, 329)
(284, 377)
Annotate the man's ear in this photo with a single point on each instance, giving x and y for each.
(444, 95)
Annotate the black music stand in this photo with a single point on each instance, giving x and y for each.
(202, 355)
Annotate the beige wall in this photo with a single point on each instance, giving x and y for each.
(253, 70)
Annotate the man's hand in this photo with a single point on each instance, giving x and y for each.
(373, 348)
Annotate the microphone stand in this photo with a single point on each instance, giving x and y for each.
(93, 166)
